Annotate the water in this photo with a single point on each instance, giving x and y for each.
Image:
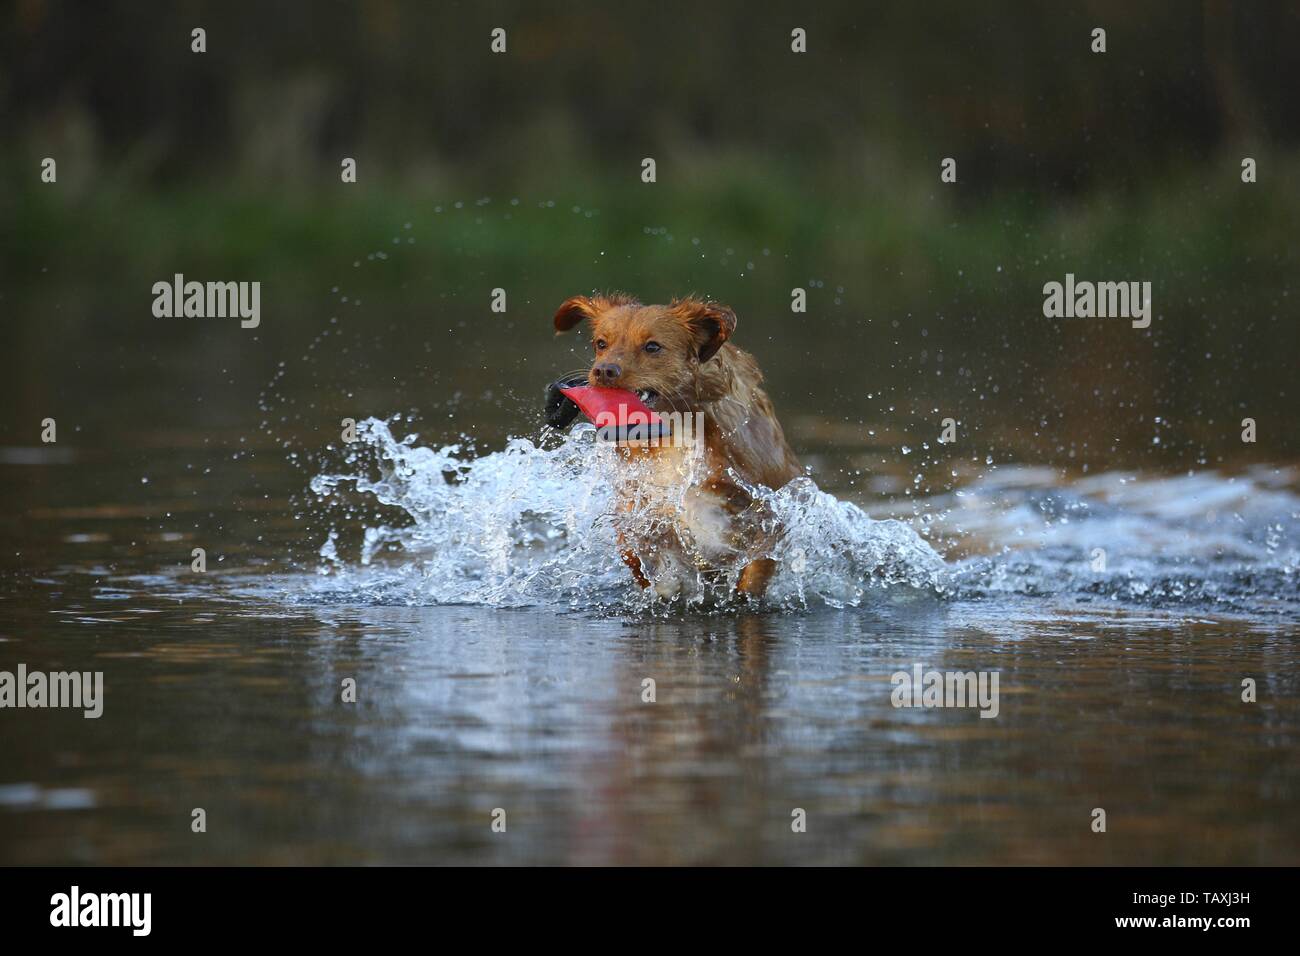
(1098, 536)
(499, 656)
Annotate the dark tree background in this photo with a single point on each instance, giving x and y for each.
(775, 170)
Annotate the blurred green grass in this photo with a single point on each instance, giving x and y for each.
(1200, 225)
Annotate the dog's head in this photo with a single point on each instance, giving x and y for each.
(656, 350)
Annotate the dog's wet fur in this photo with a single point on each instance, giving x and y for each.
(679, 358)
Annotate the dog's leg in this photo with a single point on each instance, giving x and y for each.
(626, 507)
(633, 562)
(754, 577)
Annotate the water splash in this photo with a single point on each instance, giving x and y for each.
(534, 525)
(1202, 540)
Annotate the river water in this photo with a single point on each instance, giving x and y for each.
(1098, 537)
(500, 654)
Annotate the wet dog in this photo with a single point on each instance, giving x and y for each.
(704, 517)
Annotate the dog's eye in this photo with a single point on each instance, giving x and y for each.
(600, 344)
(653, 346)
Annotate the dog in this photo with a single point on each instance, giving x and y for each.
(679, 359)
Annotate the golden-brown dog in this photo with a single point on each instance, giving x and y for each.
(678, 358)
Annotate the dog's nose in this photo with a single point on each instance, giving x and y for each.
(606, 373)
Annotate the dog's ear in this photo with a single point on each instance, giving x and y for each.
(574, 310)
(710, 322)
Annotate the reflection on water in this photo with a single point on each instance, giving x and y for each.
(223, 692)
(462, 710)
